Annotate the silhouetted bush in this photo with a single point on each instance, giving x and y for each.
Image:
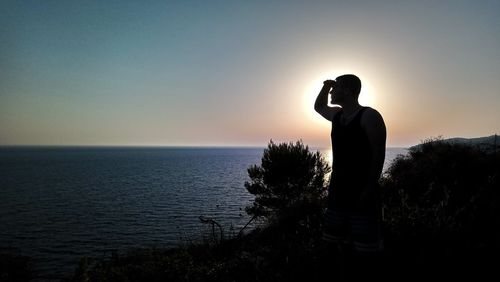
(441, 203)
(289, 185)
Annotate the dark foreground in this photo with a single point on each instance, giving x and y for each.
(442, 216)
(266, 256)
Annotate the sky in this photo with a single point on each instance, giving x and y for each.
(240, 73)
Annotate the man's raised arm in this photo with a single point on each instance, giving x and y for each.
(321, 104)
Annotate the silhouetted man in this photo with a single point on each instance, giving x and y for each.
(353, 218)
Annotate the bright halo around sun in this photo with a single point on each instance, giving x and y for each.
(366, 97)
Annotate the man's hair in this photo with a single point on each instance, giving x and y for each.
(350, 81)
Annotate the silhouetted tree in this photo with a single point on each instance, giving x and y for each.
(289, 185)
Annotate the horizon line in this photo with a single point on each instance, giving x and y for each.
(160, 146)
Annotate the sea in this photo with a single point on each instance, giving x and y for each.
(60, 204)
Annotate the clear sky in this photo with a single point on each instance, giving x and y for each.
(242, 72)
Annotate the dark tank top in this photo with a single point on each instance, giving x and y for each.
(351, 158)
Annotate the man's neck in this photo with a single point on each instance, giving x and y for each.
(351, 108)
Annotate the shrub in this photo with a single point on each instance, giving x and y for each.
(445, 195)
(289, 185)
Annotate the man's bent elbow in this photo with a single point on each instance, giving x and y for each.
(318, 109)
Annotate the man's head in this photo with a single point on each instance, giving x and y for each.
(347, 87)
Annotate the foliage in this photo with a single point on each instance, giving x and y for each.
(259, 256)
(147, 265)
(289, 185)
(442, 200)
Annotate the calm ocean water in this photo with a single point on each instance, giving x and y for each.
(58, 204)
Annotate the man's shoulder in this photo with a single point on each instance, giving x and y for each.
(370, 116)
(370, 112)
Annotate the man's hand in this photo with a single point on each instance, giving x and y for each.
(329, 83)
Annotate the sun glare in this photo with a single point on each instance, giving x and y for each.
(366, 97)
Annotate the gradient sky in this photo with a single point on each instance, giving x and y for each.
(242, 72)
